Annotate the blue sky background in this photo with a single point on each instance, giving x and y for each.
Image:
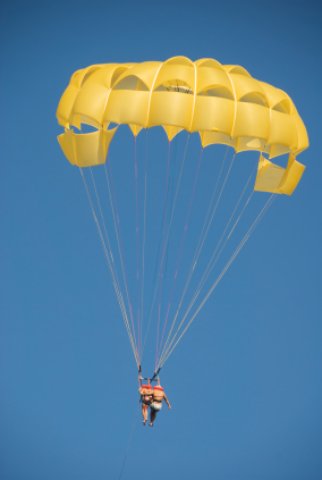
(245, 383)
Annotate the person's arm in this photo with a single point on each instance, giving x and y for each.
(140, 378)
(167, 401)
(140, 391)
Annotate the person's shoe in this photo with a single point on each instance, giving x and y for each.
(144, 423)
(150, 424)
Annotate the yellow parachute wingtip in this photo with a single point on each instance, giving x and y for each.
(87, 149)
(275, 179)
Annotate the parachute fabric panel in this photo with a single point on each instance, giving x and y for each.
(292, 177)
(269, 176)
(275, 179)
(86, 149)
(223, 103)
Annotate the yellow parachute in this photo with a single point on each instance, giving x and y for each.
(223, 103)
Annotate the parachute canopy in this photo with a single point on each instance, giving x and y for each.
(171, 223)
(223, 103)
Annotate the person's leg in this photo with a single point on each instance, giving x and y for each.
(153, 414)
(144, 413)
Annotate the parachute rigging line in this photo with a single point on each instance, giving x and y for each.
(167, 236)
(215, 257)
(220, 276)
(218, 279)
(156, 267)
(165, 241)
(159, 277)
(107, 256)
(137, 240)
(144, 237)
(216, 254)
(181, 248)
(214, 202)
(99, 203)
(220, 246)
(116, 225)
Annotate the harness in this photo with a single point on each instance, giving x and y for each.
(146, 394)
(148, 397)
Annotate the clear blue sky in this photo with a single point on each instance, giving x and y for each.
(245, 383)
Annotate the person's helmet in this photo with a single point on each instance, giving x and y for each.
(158, 387)
(147, 386)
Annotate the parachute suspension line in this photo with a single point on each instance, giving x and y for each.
(137, 241)
(116, 224)
(144, 239)
(159, 278)
(109, 264)
(156, 267)
(214, 210)
(158, 327)
(181, 246)
(220, 246)
(169, 225)
(214, 202)
(111, 252)
(103, 224)
(115, 276)
(215, 256)
(166, 240)
(218, 279)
